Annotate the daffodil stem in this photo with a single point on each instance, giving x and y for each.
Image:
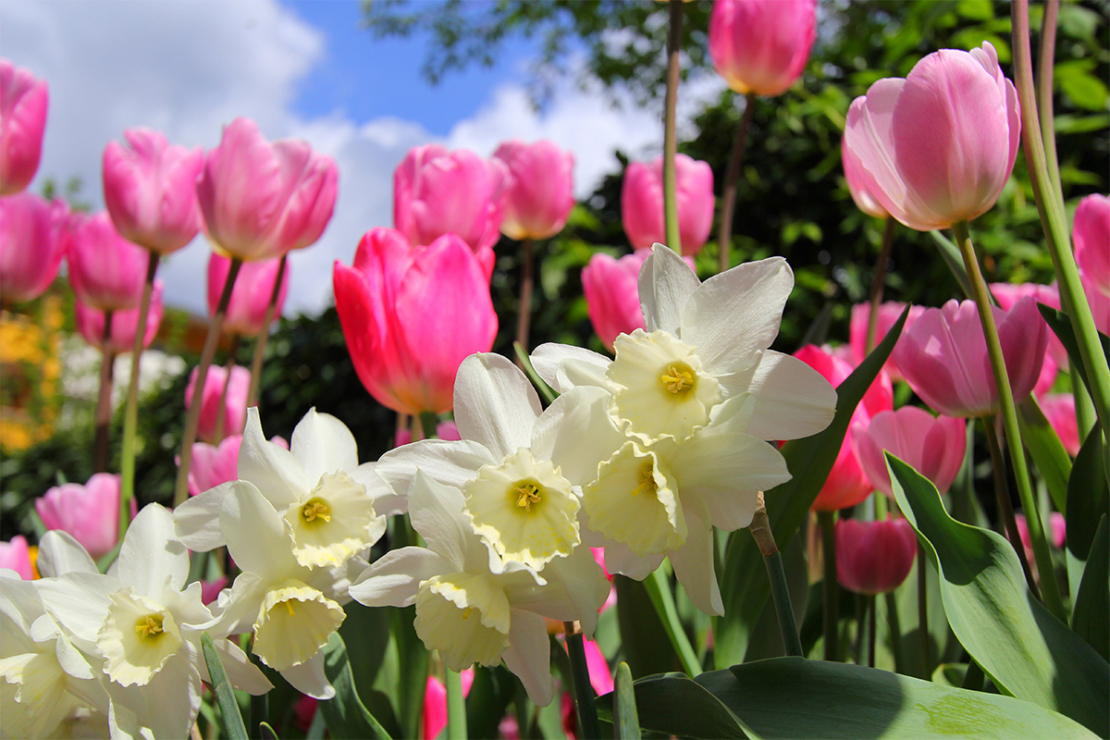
(732, 175)
(524, 309)
(659, 591)
(456, 706)
(1050, 592)
(877, 284)
(192, 416)
(264, 336)
(104, 397)
(1005, 508)
(829, 589)
(221, 413)
(131, 410)
(588, 726)
(670, 134)
(780, 592)
(428, 424)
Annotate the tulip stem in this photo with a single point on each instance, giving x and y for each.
(1050, 592)
(104, 397)
(192, 415)
(1046, 61)
(923, 612)
(588, 726)
(659, 591)
(221, 413)
(131, 411)
(732, 175)
(524, 308)
(865, 655)
(264, 335)
(829, 590)
(780, 592)
(877, 283)
(670, 134)
(895, 627)
(456, 706)
(1005, 507)
(428, 424)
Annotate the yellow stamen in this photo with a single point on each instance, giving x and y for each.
(467, 612)
(314, 510)
(527, 495)
(675, 380)
(149, 626)
(647, 482)
(289, 606)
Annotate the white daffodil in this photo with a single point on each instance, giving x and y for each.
(470, 613)
(704, 343)
(325, 497)
(518, 469)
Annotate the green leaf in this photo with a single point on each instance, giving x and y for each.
(1091, 616)
(744, 584)
(547, 392)
(345, 714)
(644, 642)
(675, 704)
(233, 720)
(1059, 322)
(487, 700)
(1085, 90)
(1026, 651)
(626, 721)
(951, 256)
(1047, 450)
(1088, 497)
(266, 732)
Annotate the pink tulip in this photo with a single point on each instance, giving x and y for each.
(539, 190)
(1100, 305)
(259, 199)
(447, 430)
(250, 297)
(1056, 525)
(944, 356)
(106, 271)
(857, 186)
(15, 555)
(937, 147)
(411, 315)
(23, 103)
(32, 245)
(1091, 234)
(235, 414)
(642, 203)
(761, 46)
(210, 590)
(90, 512)
(888, 315)
(90, 323)
(150, 190)
(435, 703)
(1059, 409)
(934, 447)
(1007, 294)
(437, 192)
(874, 557)
(214, 465)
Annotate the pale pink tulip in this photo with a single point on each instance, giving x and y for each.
(888, 315)
(15, 555)
(539, 191)
(1057, 527)
(1059, 409)
(874, 557)
(1007, 294)
(32, 244)
(933, 446)
(944, 356)
(857, 187)
(437, 192)
(213, 465)
(260, 200)
(1091, 234)
(235, 413)
(90, 512)
(761, 46)
(250, 297)
(447, 430)
(411, 315)
(435, 703)
(106, 271)
(937, 147)
(642, 203)
(90, 323)
(23, 103)
(150, 190)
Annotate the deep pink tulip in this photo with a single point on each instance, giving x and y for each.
(1059, 409)
(90, 512)
(888, 315)
(23, 103)
(601, 680)
(937, 147)
(1057, 526)
(106, 271)
(857, 186)
(642, 203)
(944, 356)
(90, 323)
(15, 555)
(32, 244)
(447, 430)
(210, 590)
(250, 297)
(150, 190)
(435, 703)
(1100, 305)
(437, 192)
(1091, 234)
(933, 446)
(761, 46)
(1007, 294)
(539, 190)
(411, 315)
(235, 414)
(874, 557)
(260, 199)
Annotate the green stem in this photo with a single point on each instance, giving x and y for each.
(877, 284)
(456, 706)
(192, 417)
(1046, 60)
(867, 632)
(728, 192)
(659, 591)
(923, 612)
(104, 397)
(973, 679)
(221, 413)
(670, 135)
(1043, 556)
(1084, 409)
(829, 589)
(895, 627)
(264, 335)
(524, 309)
(588, 726)
(131, 411)
(428, 424)
(780, 592)
(1005, 508)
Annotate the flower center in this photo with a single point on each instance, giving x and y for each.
(647, 482)
(315, 509)
(526, 495)
(677, 380)
(149, 627)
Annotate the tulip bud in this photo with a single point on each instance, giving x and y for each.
(874, 557)
(23, 103)
(539, 190)
(90, 512)
(934, 447)
(642, 203)
(90, 323)
(250, 296)
(235, 412)
(1091, 235)
(106, 271)
(761, 46)
(32, 245)
(15, 555)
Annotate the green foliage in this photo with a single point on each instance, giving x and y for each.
(345, 714)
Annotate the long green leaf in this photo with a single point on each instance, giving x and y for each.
(1060, 324)
(744, 585)
(1091, 617)
(675, 704)
(955, 261)
(221, 687)
(626, 721)
(345, 714)
(1088, 502)
(1047, 450)
(1026, 651)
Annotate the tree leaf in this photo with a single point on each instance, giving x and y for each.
(345, 714)
(1091, 617)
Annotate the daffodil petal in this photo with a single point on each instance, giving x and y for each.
(294, 623)
(271, 469)
(564, 367)
(666, 284)
(464, 616)
(528, 655)
(323, 444)
(495, 405)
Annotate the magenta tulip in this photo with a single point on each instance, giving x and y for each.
(874, 557)
(23, 103)
(235, 411)
(250, 297)
(411, 315)
(642, 203)
(260, 199)
(933, 446)
(210, 590)
(32, 244)
(539, 190)
(437, 192)
(15, 555)
(761, 46)
(944, 356)
(1059, 409)
(90, 323)
(1091, 234)
(937, 147)
(435, 703)
(106, 271)
(1007, 294)
(90, 512)
(889, 313)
